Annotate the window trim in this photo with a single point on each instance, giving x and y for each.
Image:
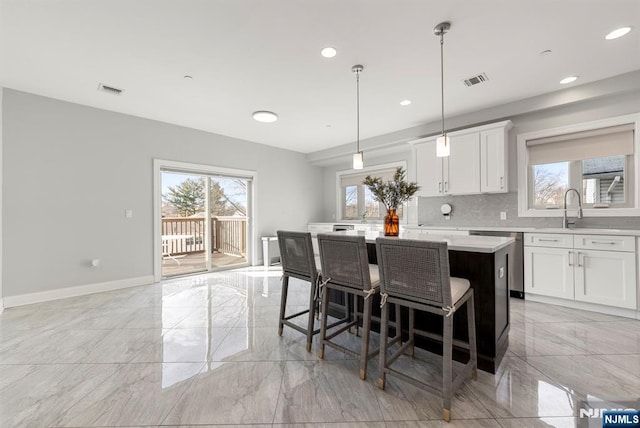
(524, 186)
(369, 170)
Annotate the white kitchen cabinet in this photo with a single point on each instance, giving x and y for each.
(606, 278)
(548, 272)
(461, 169)
(477, 162)
(429, 169)
(494, 160)
(574, 267)
(456, 174)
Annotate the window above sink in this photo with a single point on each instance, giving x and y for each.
(598, 159)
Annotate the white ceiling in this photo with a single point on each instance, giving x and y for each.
(247, 55)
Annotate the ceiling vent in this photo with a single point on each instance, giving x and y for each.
(475, 80)
(109, 89)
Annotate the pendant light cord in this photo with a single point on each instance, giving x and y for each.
(358, 111)
(442, 77)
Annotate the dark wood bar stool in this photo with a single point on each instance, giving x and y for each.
(415, 274)
(346, 268)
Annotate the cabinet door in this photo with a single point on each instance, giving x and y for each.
(428, 169)
(606, 278)
(549, 271)
(493, 161)
(462, 167)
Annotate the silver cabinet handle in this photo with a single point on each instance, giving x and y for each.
(439, 186)
(580, 259)
(502, 182)
(604, 242)
(446, 186)
(547, 240)
(570, 258)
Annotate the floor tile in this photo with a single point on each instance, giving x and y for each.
(137, 394)
(538, 423)
(39, 395)
(589, 376)
(325, 391)
(235, 393)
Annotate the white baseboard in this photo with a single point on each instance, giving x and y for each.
(603, 309)
(1, 306)
(80, 290)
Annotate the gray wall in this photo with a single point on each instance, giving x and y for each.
(484, 210)
(70, 171)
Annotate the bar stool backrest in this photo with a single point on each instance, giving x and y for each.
(296, 255)
(344, 260)
(414, 270)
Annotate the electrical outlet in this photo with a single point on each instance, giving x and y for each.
(95, 263)
(128, 213)
(503, 215)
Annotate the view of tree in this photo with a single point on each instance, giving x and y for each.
(549, 186)
(188, 198)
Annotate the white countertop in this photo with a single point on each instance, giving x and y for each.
(476, 244)
(582, 231)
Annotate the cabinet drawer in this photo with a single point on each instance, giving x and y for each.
(557, 240)
(605, 242)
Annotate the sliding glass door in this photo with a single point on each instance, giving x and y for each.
(204, 221)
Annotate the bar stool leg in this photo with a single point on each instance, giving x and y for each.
(323, 320)
(384, 334)
(312, 310)
(366, 326)
(412, 320)
(447, 355)
(283, 303)
(473, 352)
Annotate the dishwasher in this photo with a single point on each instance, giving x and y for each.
(516, 268)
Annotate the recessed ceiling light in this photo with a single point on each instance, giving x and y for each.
(328, 52)
(265, 116)
(617, 33)
(405, 102)
(568, 80)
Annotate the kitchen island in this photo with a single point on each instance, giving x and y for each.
(485, 262)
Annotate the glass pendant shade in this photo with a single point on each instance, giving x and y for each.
(358, 161)
(443, 146)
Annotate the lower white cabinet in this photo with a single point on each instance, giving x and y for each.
(548, 272)
(569, 268)
(606, 278)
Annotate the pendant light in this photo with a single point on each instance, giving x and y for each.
(443, 144)
(358, 159)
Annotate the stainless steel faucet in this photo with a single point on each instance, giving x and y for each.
(565, 220)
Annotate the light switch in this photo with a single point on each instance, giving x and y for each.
(128, 213)
(503, 215)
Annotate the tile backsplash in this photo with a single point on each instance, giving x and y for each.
(484, 210)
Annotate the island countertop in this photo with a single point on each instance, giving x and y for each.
(471, 243)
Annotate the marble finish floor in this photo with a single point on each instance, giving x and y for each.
(204, 351)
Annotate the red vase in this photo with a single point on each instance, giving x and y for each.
(391, 223)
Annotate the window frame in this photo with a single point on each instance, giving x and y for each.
(341, 193)
(632, 190)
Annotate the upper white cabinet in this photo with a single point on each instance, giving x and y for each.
(477, 163)
(494, 160)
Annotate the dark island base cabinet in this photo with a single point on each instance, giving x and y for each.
(487, 273)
